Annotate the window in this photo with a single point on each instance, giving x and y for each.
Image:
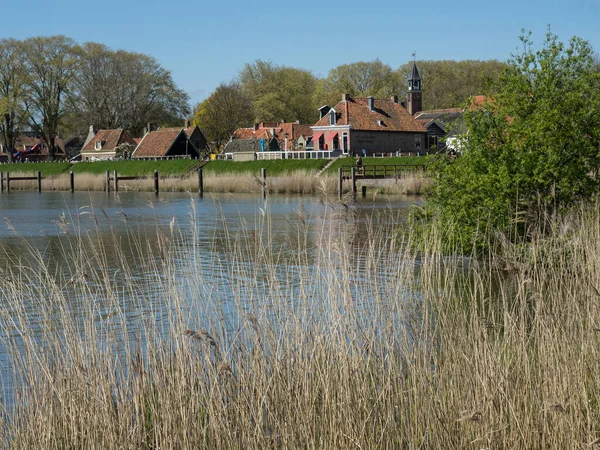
(98, 145)
(335, 143)
(432, 141)
(345, 141)
(332, 117)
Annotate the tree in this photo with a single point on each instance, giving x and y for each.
(279, 92)
(227, 109)
(13, 78)
(119, 89)
(448, 84)
(360, 79)
(51, 64)
(530, 152)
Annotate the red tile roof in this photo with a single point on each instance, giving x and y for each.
(268, 130)
(110, 139)
(27, 142)
(386, 116)
(157, 143)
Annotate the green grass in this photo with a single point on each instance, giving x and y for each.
(136, 168)
(274, 168)
(47, 168)
(395, 160)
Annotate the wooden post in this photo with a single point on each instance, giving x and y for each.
(116, 180)
(7, 181)
(200, 183)
(340, 182)
(39, 180)
(264, 177)
(72, 179)
(1, 181)
(107, 181)
(364, 191)
(354, 183)
(156, 182)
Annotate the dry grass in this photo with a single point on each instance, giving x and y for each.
(324, 353)
(292, 183)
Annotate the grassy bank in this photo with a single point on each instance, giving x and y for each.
(276, 167)
(327, 353)
(396, 160)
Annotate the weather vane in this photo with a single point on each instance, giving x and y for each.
(414, 55)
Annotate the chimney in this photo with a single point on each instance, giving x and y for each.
(345, 97)
(186, 123)
(403, 104)
(371, 101)
(149, 127)
(394, 98)
(298, 121)
(255, 127)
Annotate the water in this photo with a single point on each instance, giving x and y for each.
(122, 263)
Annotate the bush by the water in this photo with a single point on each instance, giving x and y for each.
(529, 152)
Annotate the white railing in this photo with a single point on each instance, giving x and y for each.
(314, 154)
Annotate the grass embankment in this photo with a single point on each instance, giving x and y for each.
(28, 169)
(132, 168)
(276, 167)
(395, 160)
(326, 353)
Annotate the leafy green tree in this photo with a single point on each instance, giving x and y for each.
(279, 92)
(529, 152)
(13, 79)
(227, 109)
(448, 84)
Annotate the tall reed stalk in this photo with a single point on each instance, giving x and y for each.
(318, 340)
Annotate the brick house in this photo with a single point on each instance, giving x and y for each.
(368, 126)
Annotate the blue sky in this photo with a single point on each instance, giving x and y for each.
(206, 43)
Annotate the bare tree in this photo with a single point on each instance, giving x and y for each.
(51, 64)
(119, 89)
(12, 92)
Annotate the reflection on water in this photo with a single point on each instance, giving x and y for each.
(122, 263)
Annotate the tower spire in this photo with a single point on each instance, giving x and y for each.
(414, 89)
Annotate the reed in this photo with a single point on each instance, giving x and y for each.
(349, 346)
(287, 183)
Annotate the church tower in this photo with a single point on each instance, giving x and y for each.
(415, 91)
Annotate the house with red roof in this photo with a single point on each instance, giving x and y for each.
(171, 142)
(106, 144)
(268, 136)
(369, 126)
(29, 147)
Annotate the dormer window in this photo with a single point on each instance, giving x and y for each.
(98, 145)
(332, 117)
